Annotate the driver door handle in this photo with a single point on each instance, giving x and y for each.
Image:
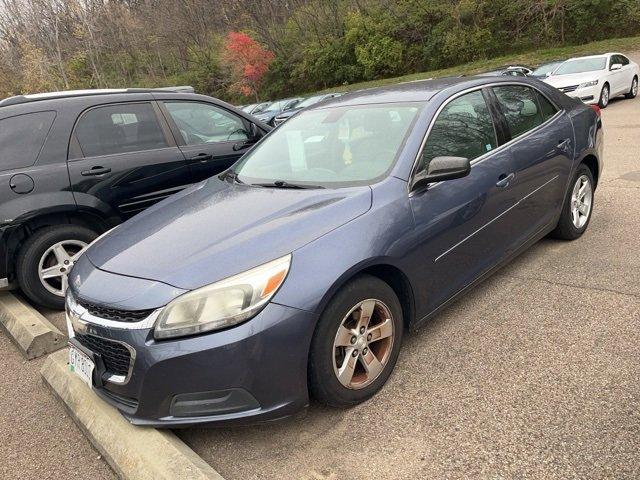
(95, 171)
(504, 180)
(201, 157)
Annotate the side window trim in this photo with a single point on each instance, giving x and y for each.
(175, 131)
(75, 152)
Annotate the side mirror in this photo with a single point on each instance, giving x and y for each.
(441, 169)
(615, 66)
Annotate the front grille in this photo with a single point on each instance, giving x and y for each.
(116, 357)
(570, 88)
(114, 314)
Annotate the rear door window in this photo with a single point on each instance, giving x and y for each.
(464, 128)
(520, 107)
(121, 128)
(548, 109)
(22, 137)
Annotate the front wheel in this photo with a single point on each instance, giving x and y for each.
(634, 89)
(356, 343)
(45, 260)
(604, 96)
(576, 212)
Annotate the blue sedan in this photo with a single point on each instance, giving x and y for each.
(297, 272)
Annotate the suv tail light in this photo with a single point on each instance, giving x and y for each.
(596, 109)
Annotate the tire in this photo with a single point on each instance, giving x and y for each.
(568, 228)
(326, 360)
(605, 94)
(633, 91)
(37, 248)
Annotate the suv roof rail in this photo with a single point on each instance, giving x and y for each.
(18, 99)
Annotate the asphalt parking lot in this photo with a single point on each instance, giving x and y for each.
(534, 374)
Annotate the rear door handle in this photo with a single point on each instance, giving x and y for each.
(201, 157)
(95, 171)
(504, 180)
(563, 143)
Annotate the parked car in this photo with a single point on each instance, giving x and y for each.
(255, 107)
(78, 163)
(298, 269)
(276, 108)
(508, 70)
(598, 78)
(307, 102)
(546, 69)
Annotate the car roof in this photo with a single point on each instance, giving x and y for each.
(413, 91)
(34, 97)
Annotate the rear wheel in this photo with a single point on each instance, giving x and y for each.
(634, 89)
(578, 206)
(45, 260)
(356, 343)
(604, 96)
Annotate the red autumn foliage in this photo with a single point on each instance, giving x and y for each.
(248, 61)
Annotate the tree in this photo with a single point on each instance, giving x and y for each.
(248, 62)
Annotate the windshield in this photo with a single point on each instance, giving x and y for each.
(310, 101)
(544, 69)
(274, 107)
(331, 147)
(582, 65)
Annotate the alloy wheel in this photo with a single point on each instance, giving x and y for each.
(581, 201)
(634, 87)
(605, 96)
(56, 262)
(363, 344)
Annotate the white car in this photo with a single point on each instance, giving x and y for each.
(597, 78)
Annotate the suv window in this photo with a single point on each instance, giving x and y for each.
(121, 128)
(464, 128)
(204, 123)
(520, 108)
(548, 108)
(22, 137)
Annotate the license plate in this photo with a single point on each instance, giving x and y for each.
(81, 365)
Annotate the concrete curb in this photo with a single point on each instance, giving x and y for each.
(133, 452)
(31, 332)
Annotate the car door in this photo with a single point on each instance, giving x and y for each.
(541, 146)
(616, 78)
(210, 137)
(460, 224)
(123, 157)
(627, 74)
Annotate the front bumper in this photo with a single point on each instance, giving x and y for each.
(588, 95)
(254, 372)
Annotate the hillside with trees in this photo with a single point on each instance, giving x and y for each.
(242, 50)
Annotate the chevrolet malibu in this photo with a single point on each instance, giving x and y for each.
(297, 272)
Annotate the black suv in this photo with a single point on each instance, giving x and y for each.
(75, 164)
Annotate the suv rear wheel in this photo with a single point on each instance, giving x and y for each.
(45, 260)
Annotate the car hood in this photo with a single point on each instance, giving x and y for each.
(559, 81)
(216, 229)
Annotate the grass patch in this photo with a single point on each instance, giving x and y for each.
(532, 58)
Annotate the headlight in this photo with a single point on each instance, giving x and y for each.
(588, 84)
(224, 303)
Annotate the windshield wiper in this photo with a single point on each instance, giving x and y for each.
(233, 175)
(283, 184)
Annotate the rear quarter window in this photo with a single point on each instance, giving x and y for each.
(22, 137)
